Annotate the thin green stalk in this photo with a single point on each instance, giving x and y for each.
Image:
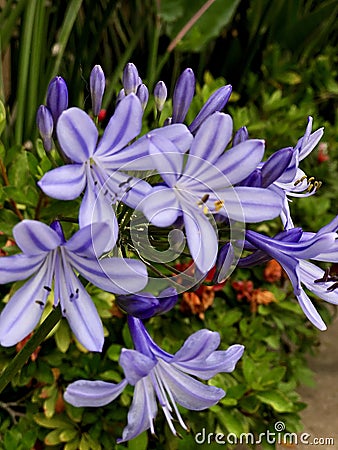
(64, 33)
(20, 359)
(24, 61)
(152, 60)
(8, 19)
(38, 42)
(122, 62)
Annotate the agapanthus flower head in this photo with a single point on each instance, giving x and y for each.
(50, 263)
(44, 121)
(97, 168)
(156, 373)
(57, 97)
(97, 84)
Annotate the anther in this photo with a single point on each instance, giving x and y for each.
(300, 180)
(325, 276)
(39, 302)
(219, 205)
(47, 288)
(204, 199)
(333, 287)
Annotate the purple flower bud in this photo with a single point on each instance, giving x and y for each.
(275, 166)
(56, 226)
(241, 135)
(254, 179)
(183, 95)
(225, 258)
(143, 95)
(57, 97)
(44, 121)
(130, 79)
(146, 305)
(120, 96)
(168, 121)
(215, 102)
(160, 94)
(97, 86)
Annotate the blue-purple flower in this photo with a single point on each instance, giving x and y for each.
(204, 186)
(292, 248)
(57, 97)
(156, 373)
(96, 169)
(97, 84)
(50, 264)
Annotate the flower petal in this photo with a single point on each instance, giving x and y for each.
(161, 206)
(118, 275)
(135, 365)
(77, 134)
(93, 393)
(209, 143)
(23, 311)
(167, 159)
(35, 237)
(19, 267)
(310, 311)
(201, 237)
(142, 412)
(64, 183)
(199, 345)
(217, 362)
(80, 312)
(90, 241)
(125, 124)
(187, 391)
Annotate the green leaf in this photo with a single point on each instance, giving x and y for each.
(54, 422)
(232, 420)
(7, 220)
(139, 443)
(68, 434)
(277, 400)
(53, 437)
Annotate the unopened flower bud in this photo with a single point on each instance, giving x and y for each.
(57, 97)
(130, 78)
(44, 121)
(215, 102)
(241, 135)
(146, 305)
(183, 95)
(120, 96)
(160, 94)
(143, 95)
(97, 87)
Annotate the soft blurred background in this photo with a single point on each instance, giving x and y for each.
(281, 59)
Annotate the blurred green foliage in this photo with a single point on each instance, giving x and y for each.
(281, 59)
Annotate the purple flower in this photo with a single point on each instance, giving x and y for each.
(156, 373)
(44, 121)
(204, 186)
(57, 97)
(145, 305)
(97, 86)
(143, 95)
(96, 169)
(292, 249)
(50, 263)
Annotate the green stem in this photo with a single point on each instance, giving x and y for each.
(20, 359)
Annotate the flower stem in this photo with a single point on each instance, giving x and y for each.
(20, 359)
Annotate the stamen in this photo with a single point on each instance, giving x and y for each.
(204, 199)
(47, 288)
(39, 302)
(300, 180)
(219, 205)
(325, 276)
(333, 287)
(312, 186)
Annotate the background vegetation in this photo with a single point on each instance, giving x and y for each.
(281, 59)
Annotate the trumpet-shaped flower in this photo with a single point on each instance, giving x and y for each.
(156, 373)
(95, 169)
(51, 263)
(292, 249)
(204, 186)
